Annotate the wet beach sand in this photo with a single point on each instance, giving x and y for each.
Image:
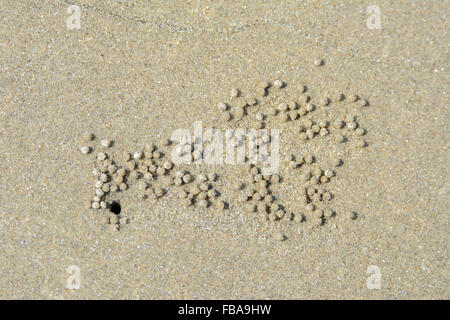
(135, 71)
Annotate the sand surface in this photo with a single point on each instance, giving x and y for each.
(137, 70)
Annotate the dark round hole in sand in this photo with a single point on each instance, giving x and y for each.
(115, 207)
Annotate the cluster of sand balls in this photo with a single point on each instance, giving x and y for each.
(299, 112)
(199, 191)
(257, 192)
(315, 197)
(145, 168)
(259, 196)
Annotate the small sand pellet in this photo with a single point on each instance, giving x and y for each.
(106, 143)
(261, 92)
(187, 202)
(187, 178)
(114, 219)
(318, 62)
(323, 132)
(221, 205)
(101, 156)
(326, 196)
(194, 190)
(318, 213)
(310, 191)
(262, 207)
(211, 193)
(123, 186)
(309, 159)
(149, 148)
(360, 131)
(160, 171)
(339, 138)
(126, 156)
(338, 124)
(337, 162)
(256, 196)
(85, 150)
(249, 192)
(131, 165)
(317, 171)
(328, 213)
(106, 187)
(329, 173)
(167, 165)
(178, 181)
(352, 125)
(96, 172)
(89, 136)
(268, 198)
(363, 103)
(324, 101)
(159, 192)
(310, 107)
(203, 203)
(352, 97)
(142, 185)
(303, 136)
(259, 116)
(114, 187)
(338, 96)
(279, 213)
(138, 155)
(362, 143)
(251, 101)
(293, 115)
(112, 168)
(156, 154)
(239, 113)
(316, 222)
(254, 170)
(99, 192)
(278, 84)
(316, 128)
(226, 116)
(235, 92)
(119, 179)
(283, 107)
(274, 207)
(121, 172)
(205, 186)
(278, 236)
(98, 184)
(222, 106)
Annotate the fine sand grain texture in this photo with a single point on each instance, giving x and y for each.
(135, 71)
